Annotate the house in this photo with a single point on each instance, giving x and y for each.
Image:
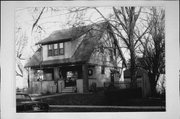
(71, 60)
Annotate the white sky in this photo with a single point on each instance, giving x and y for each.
(53, 20)
(50, 21)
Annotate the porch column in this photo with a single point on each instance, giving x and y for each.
(85, 77)
(31, 78)
(56, 74)
(60, 81)
(56, 78)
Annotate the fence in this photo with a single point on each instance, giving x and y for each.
(122, 85)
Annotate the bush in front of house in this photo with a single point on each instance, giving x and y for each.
(93, 87)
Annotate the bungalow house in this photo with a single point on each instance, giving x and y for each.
(72, 60)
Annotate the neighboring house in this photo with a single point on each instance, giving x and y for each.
(74, 59)
(142, 81)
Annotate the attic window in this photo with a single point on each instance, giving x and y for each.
(56, 49)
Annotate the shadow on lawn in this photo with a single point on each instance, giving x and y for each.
(105, 98)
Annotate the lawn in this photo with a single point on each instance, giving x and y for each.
(78, 99)
(100, 99)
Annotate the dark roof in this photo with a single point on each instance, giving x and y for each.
(89, 43)
(127, 73)
(82, 53)
(35, 60)
(65, 35)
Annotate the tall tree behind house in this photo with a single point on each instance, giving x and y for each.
(154, 48)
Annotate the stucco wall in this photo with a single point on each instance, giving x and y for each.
(79, 84)
(61, 85)
(99, 78)
(44, 87)
(47, 87)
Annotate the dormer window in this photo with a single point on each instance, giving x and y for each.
(61, 48)
(55, 49)
(50, 50)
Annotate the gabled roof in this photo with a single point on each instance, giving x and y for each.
(82, 53)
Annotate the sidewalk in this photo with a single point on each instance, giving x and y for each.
(118, 107)
(87, 108)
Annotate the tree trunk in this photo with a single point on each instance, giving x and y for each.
(132, 47)
(85, 78)
(133, 70)
(153, 83)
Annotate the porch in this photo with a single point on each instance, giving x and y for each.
(69, 78)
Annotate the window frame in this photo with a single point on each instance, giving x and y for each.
(55, 52)
(59, 49)
(50, 50)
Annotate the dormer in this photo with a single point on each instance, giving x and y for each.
(62, 44)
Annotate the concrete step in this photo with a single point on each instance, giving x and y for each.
(69, 87)
(68, 90)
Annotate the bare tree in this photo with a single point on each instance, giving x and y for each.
(154, 48)
(21, 42)
(126, 29)
(123, 27)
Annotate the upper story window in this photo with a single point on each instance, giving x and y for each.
(61, 48)
(55, 49)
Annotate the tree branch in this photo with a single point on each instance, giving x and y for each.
(35, 23)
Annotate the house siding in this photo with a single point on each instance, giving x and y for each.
(99, 78)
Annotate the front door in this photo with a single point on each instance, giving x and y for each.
(70, 80)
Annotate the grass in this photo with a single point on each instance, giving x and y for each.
(100, 99)
(78, 99)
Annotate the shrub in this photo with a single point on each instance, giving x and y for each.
(114, 95)
(93, 87)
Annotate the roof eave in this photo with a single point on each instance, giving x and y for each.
(51, 42)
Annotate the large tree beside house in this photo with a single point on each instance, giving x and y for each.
(127, 29)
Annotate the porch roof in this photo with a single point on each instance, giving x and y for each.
(35, 60)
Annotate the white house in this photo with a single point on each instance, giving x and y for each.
(72, 59)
